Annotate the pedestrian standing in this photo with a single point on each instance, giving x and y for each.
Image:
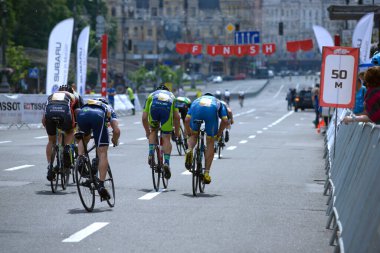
(111, 95)
(131, 97)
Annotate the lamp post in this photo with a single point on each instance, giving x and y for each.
(4, 85)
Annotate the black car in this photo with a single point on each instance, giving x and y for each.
(303, 100)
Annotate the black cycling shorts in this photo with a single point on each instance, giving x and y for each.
(58, 116)
(93, 119)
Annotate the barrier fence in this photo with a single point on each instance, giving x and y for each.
(23, 109)
(353, 185)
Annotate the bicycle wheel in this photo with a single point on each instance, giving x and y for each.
(109, 185)
(53, 165)
(194, 170)
(219, 151)
(202, 165)
(156, 169)
(65, 177)
(85, 183)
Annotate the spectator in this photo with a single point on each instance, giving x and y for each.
(315, 99)
(360, 94)
(289, 98)
(111, 95)
(371, 111)
(131, 97)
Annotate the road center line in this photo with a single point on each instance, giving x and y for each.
(151, 195)
(278, 92)
(252, 136)
(41, 137)
(19, 167)
(282, 118)
(231, 148)
(2, 142)
(243, 141)
(80, 235)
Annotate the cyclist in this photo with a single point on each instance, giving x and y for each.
(227, 96)
(207, 108)
(183, 104)
(94, 116)
(230, 118)
(160, 106)
(241, 98)
(60, 106)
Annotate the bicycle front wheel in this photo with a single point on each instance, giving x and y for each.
(85, 183)
(219, 151)
(156, 169)
(109, 185)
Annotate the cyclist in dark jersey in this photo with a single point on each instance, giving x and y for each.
(60, 113)
(94, 117)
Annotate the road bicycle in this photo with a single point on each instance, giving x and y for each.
(198, 163)
(218, 147)
(157, 163)
(181, 142)
(86, 176)
(61, 173)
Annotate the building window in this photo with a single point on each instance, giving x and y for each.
(135, 31)
(150, 32)
(154, 12)
(192, 11)
(169, 11)
(113, 11)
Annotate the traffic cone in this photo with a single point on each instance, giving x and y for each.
(320, 125)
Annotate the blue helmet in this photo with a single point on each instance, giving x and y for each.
(376, 59)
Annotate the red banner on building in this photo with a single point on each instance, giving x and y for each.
(103, 65)
(188, 48)
(294, 46)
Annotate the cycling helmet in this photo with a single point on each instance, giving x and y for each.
(208, 94)
(376, 59)
(103, 100)
(162, 87)
(66, 88)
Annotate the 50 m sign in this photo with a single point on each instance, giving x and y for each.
(338, 76)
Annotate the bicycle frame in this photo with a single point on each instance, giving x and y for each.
(197, 168)
(157, 168)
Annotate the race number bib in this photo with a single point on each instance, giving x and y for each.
(163, 97)
(205, 102)
(58, 97)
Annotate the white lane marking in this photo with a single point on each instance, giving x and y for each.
(80, 235)
(231, 148)
(41, 137)
(141, 139)
(151, 194)
(278, 92)
(2, 142)
(282, 118)
(137, 122)
(243, 141)
(265, 128)
(19, 167)
(252, 136)
(259, 132)
(243, 113)
(186, 172)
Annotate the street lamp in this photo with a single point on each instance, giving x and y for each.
(4, 85)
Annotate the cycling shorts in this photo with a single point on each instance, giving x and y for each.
(93, 119)
(58, 116)
(209, 115)
(162, 114)
(183, 112)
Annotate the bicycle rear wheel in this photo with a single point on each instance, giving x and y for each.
(202, 165)
(194, 171)
(109, 185)
(180, 144)
(219, 151)
(156, 169)
(85, 183)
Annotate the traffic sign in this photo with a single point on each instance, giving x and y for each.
(338, 76)
(230, 28)
(249, 37)
(33, 73)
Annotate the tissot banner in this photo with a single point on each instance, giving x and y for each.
(59, 55)
(82, 48)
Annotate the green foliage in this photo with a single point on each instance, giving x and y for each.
(139, 77)
(18, 62)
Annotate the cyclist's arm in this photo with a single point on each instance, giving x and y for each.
(223, 125)
(116, 131)
(187, 125)
(145, 123)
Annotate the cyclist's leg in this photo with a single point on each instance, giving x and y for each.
(102, 167)
(51, 132)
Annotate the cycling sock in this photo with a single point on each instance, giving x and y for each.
(151, 148)
(167, 158)
(101, 183)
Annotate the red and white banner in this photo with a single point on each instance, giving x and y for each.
(58, 60)
(103, 66)
(338, 76)
(188, 48)
(294, 46)
(82, 48)
(226, 50)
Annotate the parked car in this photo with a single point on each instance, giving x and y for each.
(303, 100)
(240, 76)
(217, 79)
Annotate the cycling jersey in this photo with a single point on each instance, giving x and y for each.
(183, 105)
(160, 106)
(60, 107)
(94, 116)
(209, 109)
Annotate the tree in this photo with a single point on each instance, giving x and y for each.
(18, 62)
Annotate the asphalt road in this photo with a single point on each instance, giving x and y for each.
(265, 195)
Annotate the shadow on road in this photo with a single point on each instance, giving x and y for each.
(201, 195)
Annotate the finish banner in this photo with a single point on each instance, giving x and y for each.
(103, 67)
(82, 49)
(226, 50)
(59, 55)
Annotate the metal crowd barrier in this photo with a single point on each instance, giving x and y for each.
(353, 186)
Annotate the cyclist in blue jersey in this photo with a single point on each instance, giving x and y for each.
(160, 107)
(94, 117)
(209, 109)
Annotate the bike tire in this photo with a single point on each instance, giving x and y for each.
(86, 189)
(179, 146)
(110, 186)
(219, 151)
(66, 177)
(201, 166)
(156, 170)
(194, 170)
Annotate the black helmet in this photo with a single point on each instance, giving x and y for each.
(103, 100)
(162, 87)
(66, 88)
(208, 94)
